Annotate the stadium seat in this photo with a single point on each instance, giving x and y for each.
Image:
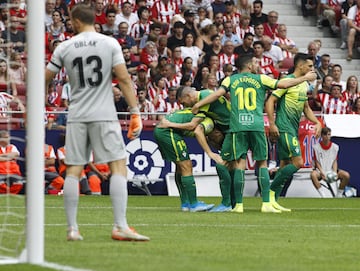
(11, 123)
(21, 89)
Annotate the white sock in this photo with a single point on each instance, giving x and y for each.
(321, 191)
(119, 196)
(71, 200)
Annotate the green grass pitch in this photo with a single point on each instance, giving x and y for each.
(320, 234)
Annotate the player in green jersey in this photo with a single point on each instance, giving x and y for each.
(247, 96)
(290, 104)
(219, 112)
(173, 148)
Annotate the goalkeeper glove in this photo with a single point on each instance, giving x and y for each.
(135, 126)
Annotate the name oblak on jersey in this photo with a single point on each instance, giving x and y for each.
(84, 43)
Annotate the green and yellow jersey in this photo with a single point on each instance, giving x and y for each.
(247, 97)
(290, 107)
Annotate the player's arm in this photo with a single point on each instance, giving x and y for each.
(189, 126)
(309, 114)
(208, 100)
(49, 76)
(270, 111)
(128, 91)
(290, 82)
(319, 167)
(200, 137)
(335, 166)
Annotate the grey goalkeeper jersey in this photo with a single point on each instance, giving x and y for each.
(88, 59)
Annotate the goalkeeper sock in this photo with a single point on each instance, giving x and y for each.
(119, 196)
(182, 192)
(264, 181)
(190, 188)
(239, 177)
(281, 177)
(225, 184)
(71, 200)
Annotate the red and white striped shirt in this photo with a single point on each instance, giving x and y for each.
(332, 105)
(175, 82)
(285, 41)
(242, 31)
(164, 12)
(226, 59)
(138, 29)
(234, 18)
(266, 65)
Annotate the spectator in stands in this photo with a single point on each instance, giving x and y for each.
(187, 68)
(325, 86)
(141, 79)
(98, 28)
(244, 27)
(287, 45)
(69, 31)
(266, 63)
(190, 26)
(325, 66)
(186, 80)
(211, 82)
(308, 7)
(17, 9)
(244, 7)
(126, 15)
(145, 106)
(344, 29)
(110, 25)
(57, 28)
(49, 8)
(162, 11)
(12, 38)
(177, 60)
(333, 103)
(219, 22)
(7, 83)
(336, 74)
(177, 38)
(271, 26)
(259, 32)
(180, 16)
(191, 50)
(11, 180)
(53, 181)
(199, 80)
(155, 30)
(170, 104)
(325, 159)
(125, 39)
(193, 6)
(9, 103)
(17, 69)
(100, 15)
(120, 102)
(214, 66)
(354, 28)
(313, 50)
(218, 6)
(157, 90)
(162, 48)
(142, 26)
(202, 19)
(356, 107)
(229, 35)
(231, 14)
(98, 176)
(272, 51)
(351, 93)
(227, 56)
(172, 78)
(331, 11)
(204, 40)
(216, 47)
(258, 17)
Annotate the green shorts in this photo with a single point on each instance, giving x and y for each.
(236, 145)
(172, 146)
(288, 146)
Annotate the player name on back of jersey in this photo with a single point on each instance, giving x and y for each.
(85, 43)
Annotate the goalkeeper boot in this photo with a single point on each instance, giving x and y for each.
(239, 208)
(268, 208)
(74, 235)
(127, 235)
